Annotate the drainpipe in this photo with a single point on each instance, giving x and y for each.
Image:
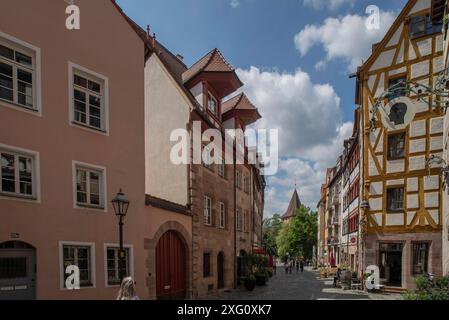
(235, 214)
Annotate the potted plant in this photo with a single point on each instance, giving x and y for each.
(249, 282)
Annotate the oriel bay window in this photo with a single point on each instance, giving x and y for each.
(395, 199)
(17, 76)
(17, 174)
(396, 146)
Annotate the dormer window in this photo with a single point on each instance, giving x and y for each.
(212, 104)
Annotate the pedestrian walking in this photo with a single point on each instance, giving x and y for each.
(290, 267)
(286, 267)
(301, 265)
(297, 266)
(127, 290)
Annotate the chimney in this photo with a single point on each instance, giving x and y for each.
(180, 57)
(154, 40)
(148, 31)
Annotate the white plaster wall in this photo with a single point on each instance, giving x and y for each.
(412, 184)
(376, 188)
(395, 219)
(166, 109)
(395, 166)
(431, 199)
(417, 163)
(420, 69)
(431, 183)
(412, 201)
(436, 125)
(418, 145)
(197, 92)
(418, 128)
(421, 5)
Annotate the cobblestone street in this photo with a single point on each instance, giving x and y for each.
(299, 286)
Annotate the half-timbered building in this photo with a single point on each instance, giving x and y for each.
(401, 130)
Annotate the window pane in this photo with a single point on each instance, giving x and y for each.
(6, 69)
(95, 101)
(25, 175)
(7, 174)
(81, 186)
(95, 122)
(6, 94)
(6, 82)
(25, 76)
(94, 86)
(80, 81)
(25, 88)
(111, 254)
(80, 96)
(6, 52)
(82, 253)
(23, 59)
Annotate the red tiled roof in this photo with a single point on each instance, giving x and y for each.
(294, 204)
(239, 102)
(211, 62)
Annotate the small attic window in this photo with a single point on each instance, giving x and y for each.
(422, 26)
(212, 104)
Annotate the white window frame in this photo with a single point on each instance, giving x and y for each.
(103, 186)
(207, 211)
(131, 261)
(35, 52)
(104, 82)
(222, 216)
(209, 94)
(91, 245)
(34, 155)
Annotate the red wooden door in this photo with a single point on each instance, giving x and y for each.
(170, 267)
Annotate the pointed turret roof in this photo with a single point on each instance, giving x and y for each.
(211, 62)
(295, 204)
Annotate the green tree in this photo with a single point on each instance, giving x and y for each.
(299, 235)
(270, 230)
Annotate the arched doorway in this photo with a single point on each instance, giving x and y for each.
(220, 270)
(170, 267)
(17, 271)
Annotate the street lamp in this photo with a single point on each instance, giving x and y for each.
(121, 204)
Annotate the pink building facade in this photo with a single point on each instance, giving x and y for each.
(71, 136)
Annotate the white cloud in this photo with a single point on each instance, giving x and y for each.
(311, 133)
(330, 4)
(306, 114)
(234, 3)
(344, 38)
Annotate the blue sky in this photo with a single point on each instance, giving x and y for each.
(258, 38)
